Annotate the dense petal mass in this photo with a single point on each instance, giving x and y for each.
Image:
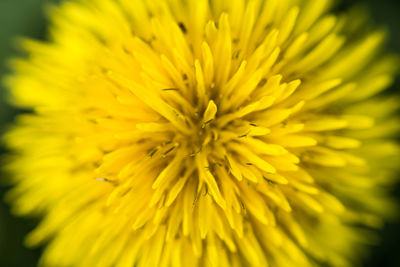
(204, 133)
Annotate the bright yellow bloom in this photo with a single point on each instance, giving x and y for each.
(204, 133)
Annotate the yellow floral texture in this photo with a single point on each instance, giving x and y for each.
(204, 133)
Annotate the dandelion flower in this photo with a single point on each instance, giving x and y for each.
(203, 133)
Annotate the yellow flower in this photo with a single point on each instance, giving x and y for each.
(204, 133)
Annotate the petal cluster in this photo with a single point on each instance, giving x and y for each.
(204, 133)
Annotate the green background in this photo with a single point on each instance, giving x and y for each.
(26, 18)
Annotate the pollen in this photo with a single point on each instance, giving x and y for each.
(204, 133)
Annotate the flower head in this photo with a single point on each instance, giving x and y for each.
(203, 133)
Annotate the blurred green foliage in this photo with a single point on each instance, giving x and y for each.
(26, 18)
(17, 18)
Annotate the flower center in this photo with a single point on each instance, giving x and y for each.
(204, 129)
